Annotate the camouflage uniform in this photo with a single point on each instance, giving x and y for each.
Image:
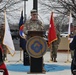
(55, 47)
(33, 26)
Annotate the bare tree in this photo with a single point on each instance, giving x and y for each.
(60, 7)
(12, 8)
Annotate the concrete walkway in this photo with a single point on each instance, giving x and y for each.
(61, 58)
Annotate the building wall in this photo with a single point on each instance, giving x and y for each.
(64, 44)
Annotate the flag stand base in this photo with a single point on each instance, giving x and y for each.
(50, 61)
(67, 61)
(19, 60)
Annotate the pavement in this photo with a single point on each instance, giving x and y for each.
(63, 59)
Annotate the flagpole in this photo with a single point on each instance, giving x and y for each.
(20, 56)
(52, 32)
(68, 61)
(69, 33)
(24, 21)
(6, 46)
(9, 44)
(4, 27)
(21, 24)
(6, 57)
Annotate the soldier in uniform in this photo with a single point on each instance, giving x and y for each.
(55, 47)
(33, 24)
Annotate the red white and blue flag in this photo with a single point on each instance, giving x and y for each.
(21, 33)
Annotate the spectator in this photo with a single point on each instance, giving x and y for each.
(72, 46)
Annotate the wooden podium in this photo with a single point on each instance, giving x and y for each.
(35, 33)
(36, 64)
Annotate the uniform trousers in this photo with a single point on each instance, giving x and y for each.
(54, 51)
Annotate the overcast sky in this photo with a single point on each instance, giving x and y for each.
(15, 15)
(29, 7)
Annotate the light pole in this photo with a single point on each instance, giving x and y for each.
(25, 10)
(0, 1)
(35, 4)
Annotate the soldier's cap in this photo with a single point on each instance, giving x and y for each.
(33, 11)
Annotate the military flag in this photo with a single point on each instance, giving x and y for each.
(21, 26)
(21, 31)
(7, 40)
(52, 31)
(69, 33)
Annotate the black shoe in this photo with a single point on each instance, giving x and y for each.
(55, 60)
(51, 59)
(44, 70)
(74, 72)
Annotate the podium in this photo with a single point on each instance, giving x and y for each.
(36, 60)
(35, 33)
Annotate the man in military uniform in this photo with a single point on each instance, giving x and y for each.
(55, 47)
(33, 24)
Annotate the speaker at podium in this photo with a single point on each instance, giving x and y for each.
(36, 47)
